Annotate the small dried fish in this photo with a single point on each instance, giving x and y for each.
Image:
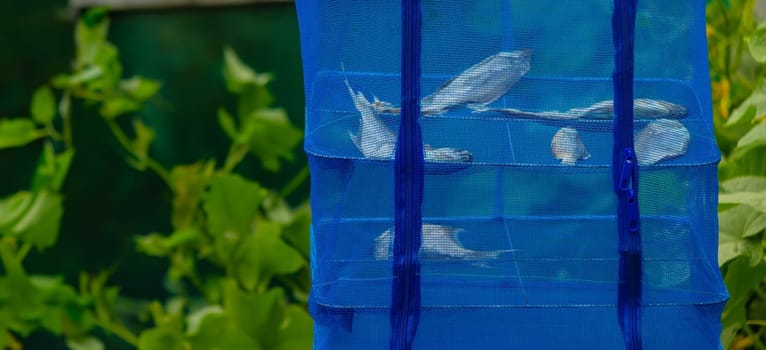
(643, 108)
(438, 242)
(548, 115)
(377, 141)
(568, 147)
(446, 154)
(481, 84)
(661, 139)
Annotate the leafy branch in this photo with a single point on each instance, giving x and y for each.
(234, 242)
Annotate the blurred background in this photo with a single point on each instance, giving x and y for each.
(180, 44)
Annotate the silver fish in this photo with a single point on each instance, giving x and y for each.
(660, 140)
(643, 108)
(438, 242)
(446, 154)
(377, 141)
(568, 147)
(481, 84)
(547, 115)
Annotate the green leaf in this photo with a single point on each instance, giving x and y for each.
(740, 278)
(194, 319)
(227, 123)
(88, 343)
(238, 75)
(757, 200)
(258, 315)
(82, 76)
(140, 88)
(264, 255)
(183, 236)
(231, 205)
(189, 183)
(16, 132)
(152, 244)
(749, 190)
(296, 233)
(52, 169)
(756, 137)
(58, 299)
(12, 207)
(107, 59)
(296, 331)
(252, 99)
(277, 209)
(741, 114)
(39, 225)
(142, 142)
(744, 184)
(18, 295)
(43, 107)
(118, 105)
(757, 43)
(89, 38)
(94, 15)
(751, 163)
(737, 226)
(162, 338)
(156, 244)
(757, 100)
(216, 330)
(270, 136)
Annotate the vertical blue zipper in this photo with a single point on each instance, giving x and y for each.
(625, 176)
(408, 187)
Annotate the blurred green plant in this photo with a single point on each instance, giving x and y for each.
(237, 255)
(737, 46)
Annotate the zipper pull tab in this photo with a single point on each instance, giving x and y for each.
(628, 171)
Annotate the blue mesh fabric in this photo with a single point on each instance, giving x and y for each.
(525, 246)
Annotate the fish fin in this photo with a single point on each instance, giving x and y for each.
(356, 140)
(478, 107)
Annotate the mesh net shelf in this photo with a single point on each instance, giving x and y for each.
(519, 239)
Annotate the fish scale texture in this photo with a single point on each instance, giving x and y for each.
(520, 241)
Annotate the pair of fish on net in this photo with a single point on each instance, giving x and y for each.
(486, 82)
(476, 88)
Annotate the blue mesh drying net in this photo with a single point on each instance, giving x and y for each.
(511, 174)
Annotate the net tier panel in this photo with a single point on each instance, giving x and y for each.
(519, 237)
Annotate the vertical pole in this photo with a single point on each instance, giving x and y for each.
(408, 178)
(625, 176)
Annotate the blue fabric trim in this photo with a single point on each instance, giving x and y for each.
(625, 175)
(408, 177)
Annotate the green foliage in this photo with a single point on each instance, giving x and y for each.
(16, 132)
(265, 131)
(737, 53)
(237, 254)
